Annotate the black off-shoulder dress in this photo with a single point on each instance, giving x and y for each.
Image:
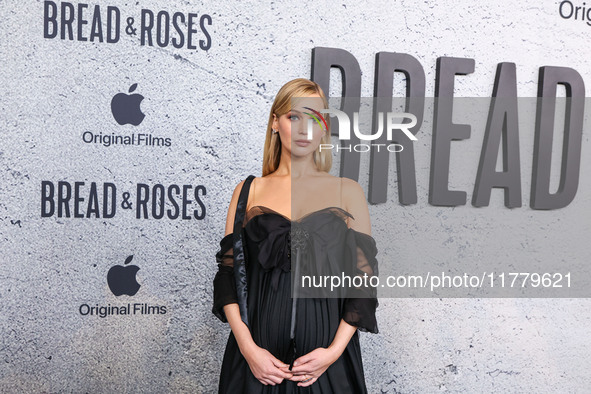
(268, 257)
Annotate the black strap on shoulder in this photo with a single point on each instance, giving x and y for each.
(238, 250)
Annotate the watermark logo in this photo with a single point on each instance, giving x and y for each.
(345, 128)
(316, 117)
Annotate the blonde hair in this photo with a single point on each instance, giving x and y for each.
(299, 87)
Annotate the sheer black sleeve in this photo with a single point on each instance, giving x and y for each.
(224, 286)
(360, 306)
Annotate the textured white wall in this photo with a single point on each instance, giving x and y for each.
(214, 106)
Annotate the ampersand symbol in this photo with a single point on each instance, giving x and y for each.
(129, 29)
(126, 204)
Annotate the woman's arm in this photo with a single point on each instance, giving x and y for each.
(240, 330)
(268, 369)
(341, 339)
(264, 366)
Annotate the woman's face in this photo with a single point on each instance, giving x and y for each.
(293, 126)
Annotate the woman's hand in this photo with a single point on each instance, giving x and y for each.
(310, 366)
(266, 367)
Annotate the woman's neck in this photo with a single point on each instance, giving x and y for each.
(296, 167)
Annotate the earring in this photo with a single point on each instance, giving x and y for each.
(275, 131)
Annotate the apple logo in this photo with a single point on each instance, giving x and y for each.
(121, 280)
(126, 107)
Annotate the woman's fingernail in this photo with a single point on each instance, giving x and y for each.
(295, 363)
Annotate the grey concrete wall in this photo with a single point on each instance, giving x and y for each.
(213, 105)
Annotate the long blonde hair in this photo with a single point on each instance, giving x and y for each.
(299, 87)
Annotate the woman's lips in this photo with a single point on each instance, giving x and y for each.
(302, 142)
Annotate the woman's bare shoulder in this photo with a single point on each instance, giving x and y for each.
(232, 207)
(352, 188)
(356, 204)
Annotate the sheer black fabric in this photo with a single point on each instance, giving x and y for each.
(270, 301)
(360, 305)
(224, 286)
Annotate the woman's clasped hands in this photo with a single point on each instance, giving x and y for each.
(267, 368)
(306, 369)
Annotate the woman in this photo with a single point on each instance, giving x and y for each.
(333, 216)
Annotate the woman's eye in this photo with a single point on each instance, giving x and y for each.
(293, 116)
